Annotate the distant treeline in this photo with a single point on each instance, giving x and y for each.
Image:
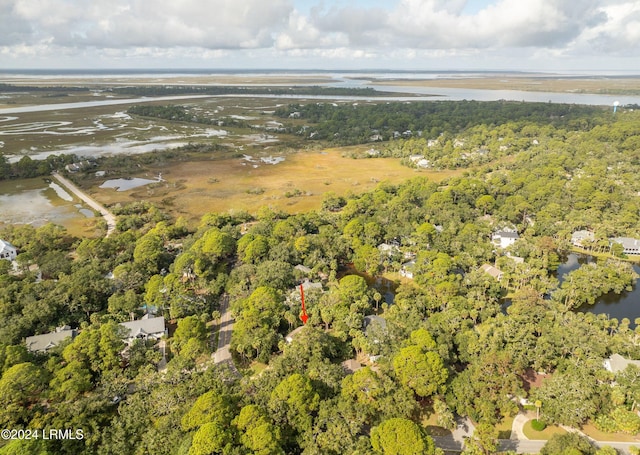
(167, 112)
(352, 124)
(153, 90)
(28, 167)
(8, 88)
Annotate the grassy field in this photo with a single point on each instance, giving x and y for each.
(544, 435)
(295, 185)
(598, 435)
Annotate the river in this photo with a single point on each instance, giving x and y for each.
(625, 305)
(347, 81)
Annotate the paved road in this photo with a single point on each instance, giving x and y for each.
(106, 214)
(518, 442)
(225, 328)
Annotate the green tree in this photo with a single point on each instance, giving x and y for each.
(483, 442)
(70, 381)
(209, 407)
(258, 318)
(257, 432)
(20, 387)
(567, 444)
(189, 328)
(209, 439)
(293, 403)
(423, 372)
(401, 437)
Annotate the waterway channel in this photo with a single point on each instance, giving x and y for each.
(619, 306)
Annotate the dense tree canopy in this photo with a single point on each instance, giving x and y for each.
(406, 325)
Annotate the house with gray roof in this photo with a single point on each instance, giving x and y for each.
(144, 329)
(629, 245)
(617, 363)
(308, 285)
(294, 334)
(7, 251)
(47, 341)
(303, 268)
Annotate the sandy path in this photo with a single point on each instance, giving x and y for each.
(109, 217)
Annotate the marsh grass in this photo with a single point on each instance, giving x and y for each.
(312, 173)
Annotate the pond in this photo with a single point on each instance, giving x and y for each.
(127, 184)
(619, 306)
(37, 202)
(384, 286)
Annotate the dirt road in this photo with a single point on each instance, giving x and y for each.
(109, 217)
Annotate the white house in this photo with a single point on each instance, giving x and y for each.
(7, 251)
(407, 269)
(145, 329)
(579, 237)
(388, 249)
(505, 238)
(629, 245)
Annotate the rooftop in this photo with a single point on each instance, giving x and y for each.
(143, 327)
(507, 235)
(6, 245)
(42, 343)
(627, 242)
(617, 363)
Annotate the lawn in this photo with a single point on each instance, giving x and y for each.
(542, 435)
(598, 435)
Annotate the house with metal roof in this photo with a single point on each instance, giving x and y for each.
(7, 251)
(145, 329)
(629, 245)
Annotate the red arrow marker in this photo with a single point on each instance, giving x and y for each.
(304, 317)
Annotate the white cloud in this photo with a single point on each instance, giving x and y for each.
(338, 30)
(128, 23)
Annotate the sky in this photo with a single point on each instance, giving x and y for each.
(522, 35)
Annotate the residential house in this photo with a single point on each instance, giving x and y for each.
(294, 334)
(147, 328)
(43, 343)
(374, 325)
(505, 238)
(629, 245)
(579, 238)
(407, 269)
(303, 268)
(308, 285)
(7, 251)
(493, 271)
(388, 249)
(351, 366)
(80, 166)
(617, 363)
